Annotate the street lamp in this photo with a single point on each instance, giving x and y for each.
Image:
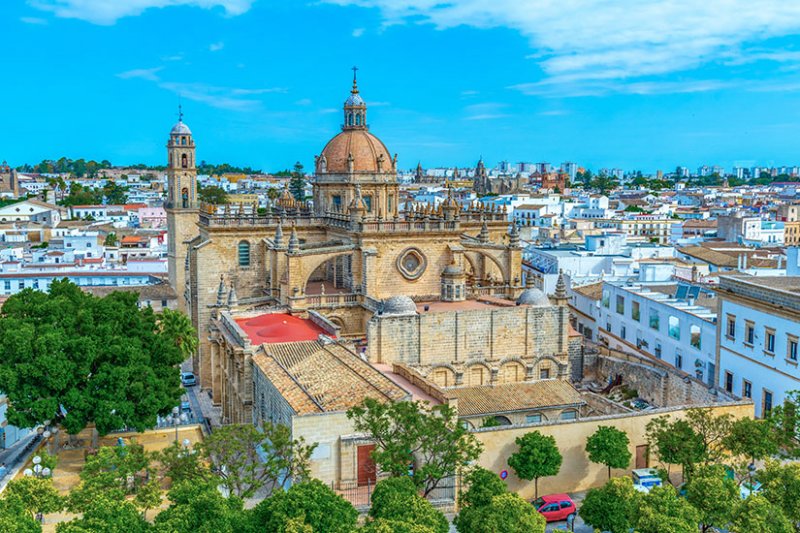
(176, 419)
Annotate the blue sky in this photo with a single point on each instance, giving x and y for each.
(635, 84)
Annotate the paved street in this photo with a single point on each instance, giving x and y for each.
(14, 457)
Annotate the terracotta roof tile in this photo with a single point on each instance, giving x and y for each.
(315, 377)
(514, 397)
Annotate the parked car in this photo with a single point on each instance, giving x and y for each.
(645, 479)
(186, 407)
(554, 507)
(188, 379)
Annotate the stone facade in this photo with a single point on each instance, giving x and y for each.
(498, 344)
(341, 258)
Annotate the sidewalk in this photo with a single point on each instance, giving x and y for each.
(201, 401)
(15, 457)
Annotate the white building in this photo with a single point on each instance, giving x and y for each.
(759, 332)
(664, 320)
(32, 211)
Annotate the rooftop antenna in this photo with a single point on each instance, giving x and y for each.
(355, 84)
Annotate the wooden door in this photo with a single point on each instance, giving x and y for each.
(642, 456)
(366, 466)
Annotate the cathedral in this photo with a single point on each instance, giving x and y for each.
(438, 291)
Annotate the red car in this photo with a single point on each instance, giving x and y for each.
(554, 507)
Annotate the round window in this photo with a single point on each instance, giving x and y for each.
(412, 263)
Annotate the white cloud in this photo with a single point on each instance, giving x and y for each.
(149, 74)
(304, 102)
(579, 41)
(230, 98)
(358, 32)
(485, 111)
(107, 12)
(265, 90)
(33, 20)
(216, 47)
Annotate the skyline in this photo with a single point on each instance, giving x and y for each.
(642, 86)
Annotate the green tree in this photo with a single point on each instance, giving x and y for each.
(713, 431)
(313, 502)
(751, 440)
(506, 512)
(609, 446)
(111, 240)
(603, 183)
(108, 515)
(674, 442)
(100, 360)
(781, 486)
(757, 514)
(537, 456)
(387, 526)
(179, 464)
(483, 485)
(395, 499)
(114, 194)
(662, 511)
(148, 496)
(410, 433)
(14, 517)
(33, 495)
(233, 450)
(714, 495)
(177, 326)
(114, 471)
(785, 421)
(612, 507)
(199, 507)
(297, 183)
(212, 194)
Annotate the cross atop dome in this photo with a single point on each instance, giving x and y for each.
(355, 109)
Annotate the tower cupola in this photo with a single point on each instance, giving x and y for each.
(355, 109)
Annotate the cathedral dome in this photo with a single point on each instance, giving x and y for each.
(367, 151)
(534, 298)
(399, 305)
(180, 129)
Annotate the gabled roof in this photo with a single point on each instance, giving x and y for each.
(318, 377)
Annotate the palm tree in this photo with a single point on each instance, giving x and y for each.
(178, 326)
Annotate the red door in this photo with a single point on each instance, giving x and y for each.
(366, 466)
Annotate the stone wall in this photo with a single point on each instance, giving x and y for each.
(660, 386)
(332, 461)
(577, 472)
(491, 334)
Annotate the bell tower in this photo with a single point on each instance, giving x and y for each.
(182, 209)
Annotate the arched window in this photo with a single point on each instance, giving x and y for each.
(349, 119)
(183, 141)
(184, 161)
(185, 197)
(244, 254)
(358, 119)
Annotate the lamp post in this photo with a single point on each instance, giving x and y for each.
(176, 419)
